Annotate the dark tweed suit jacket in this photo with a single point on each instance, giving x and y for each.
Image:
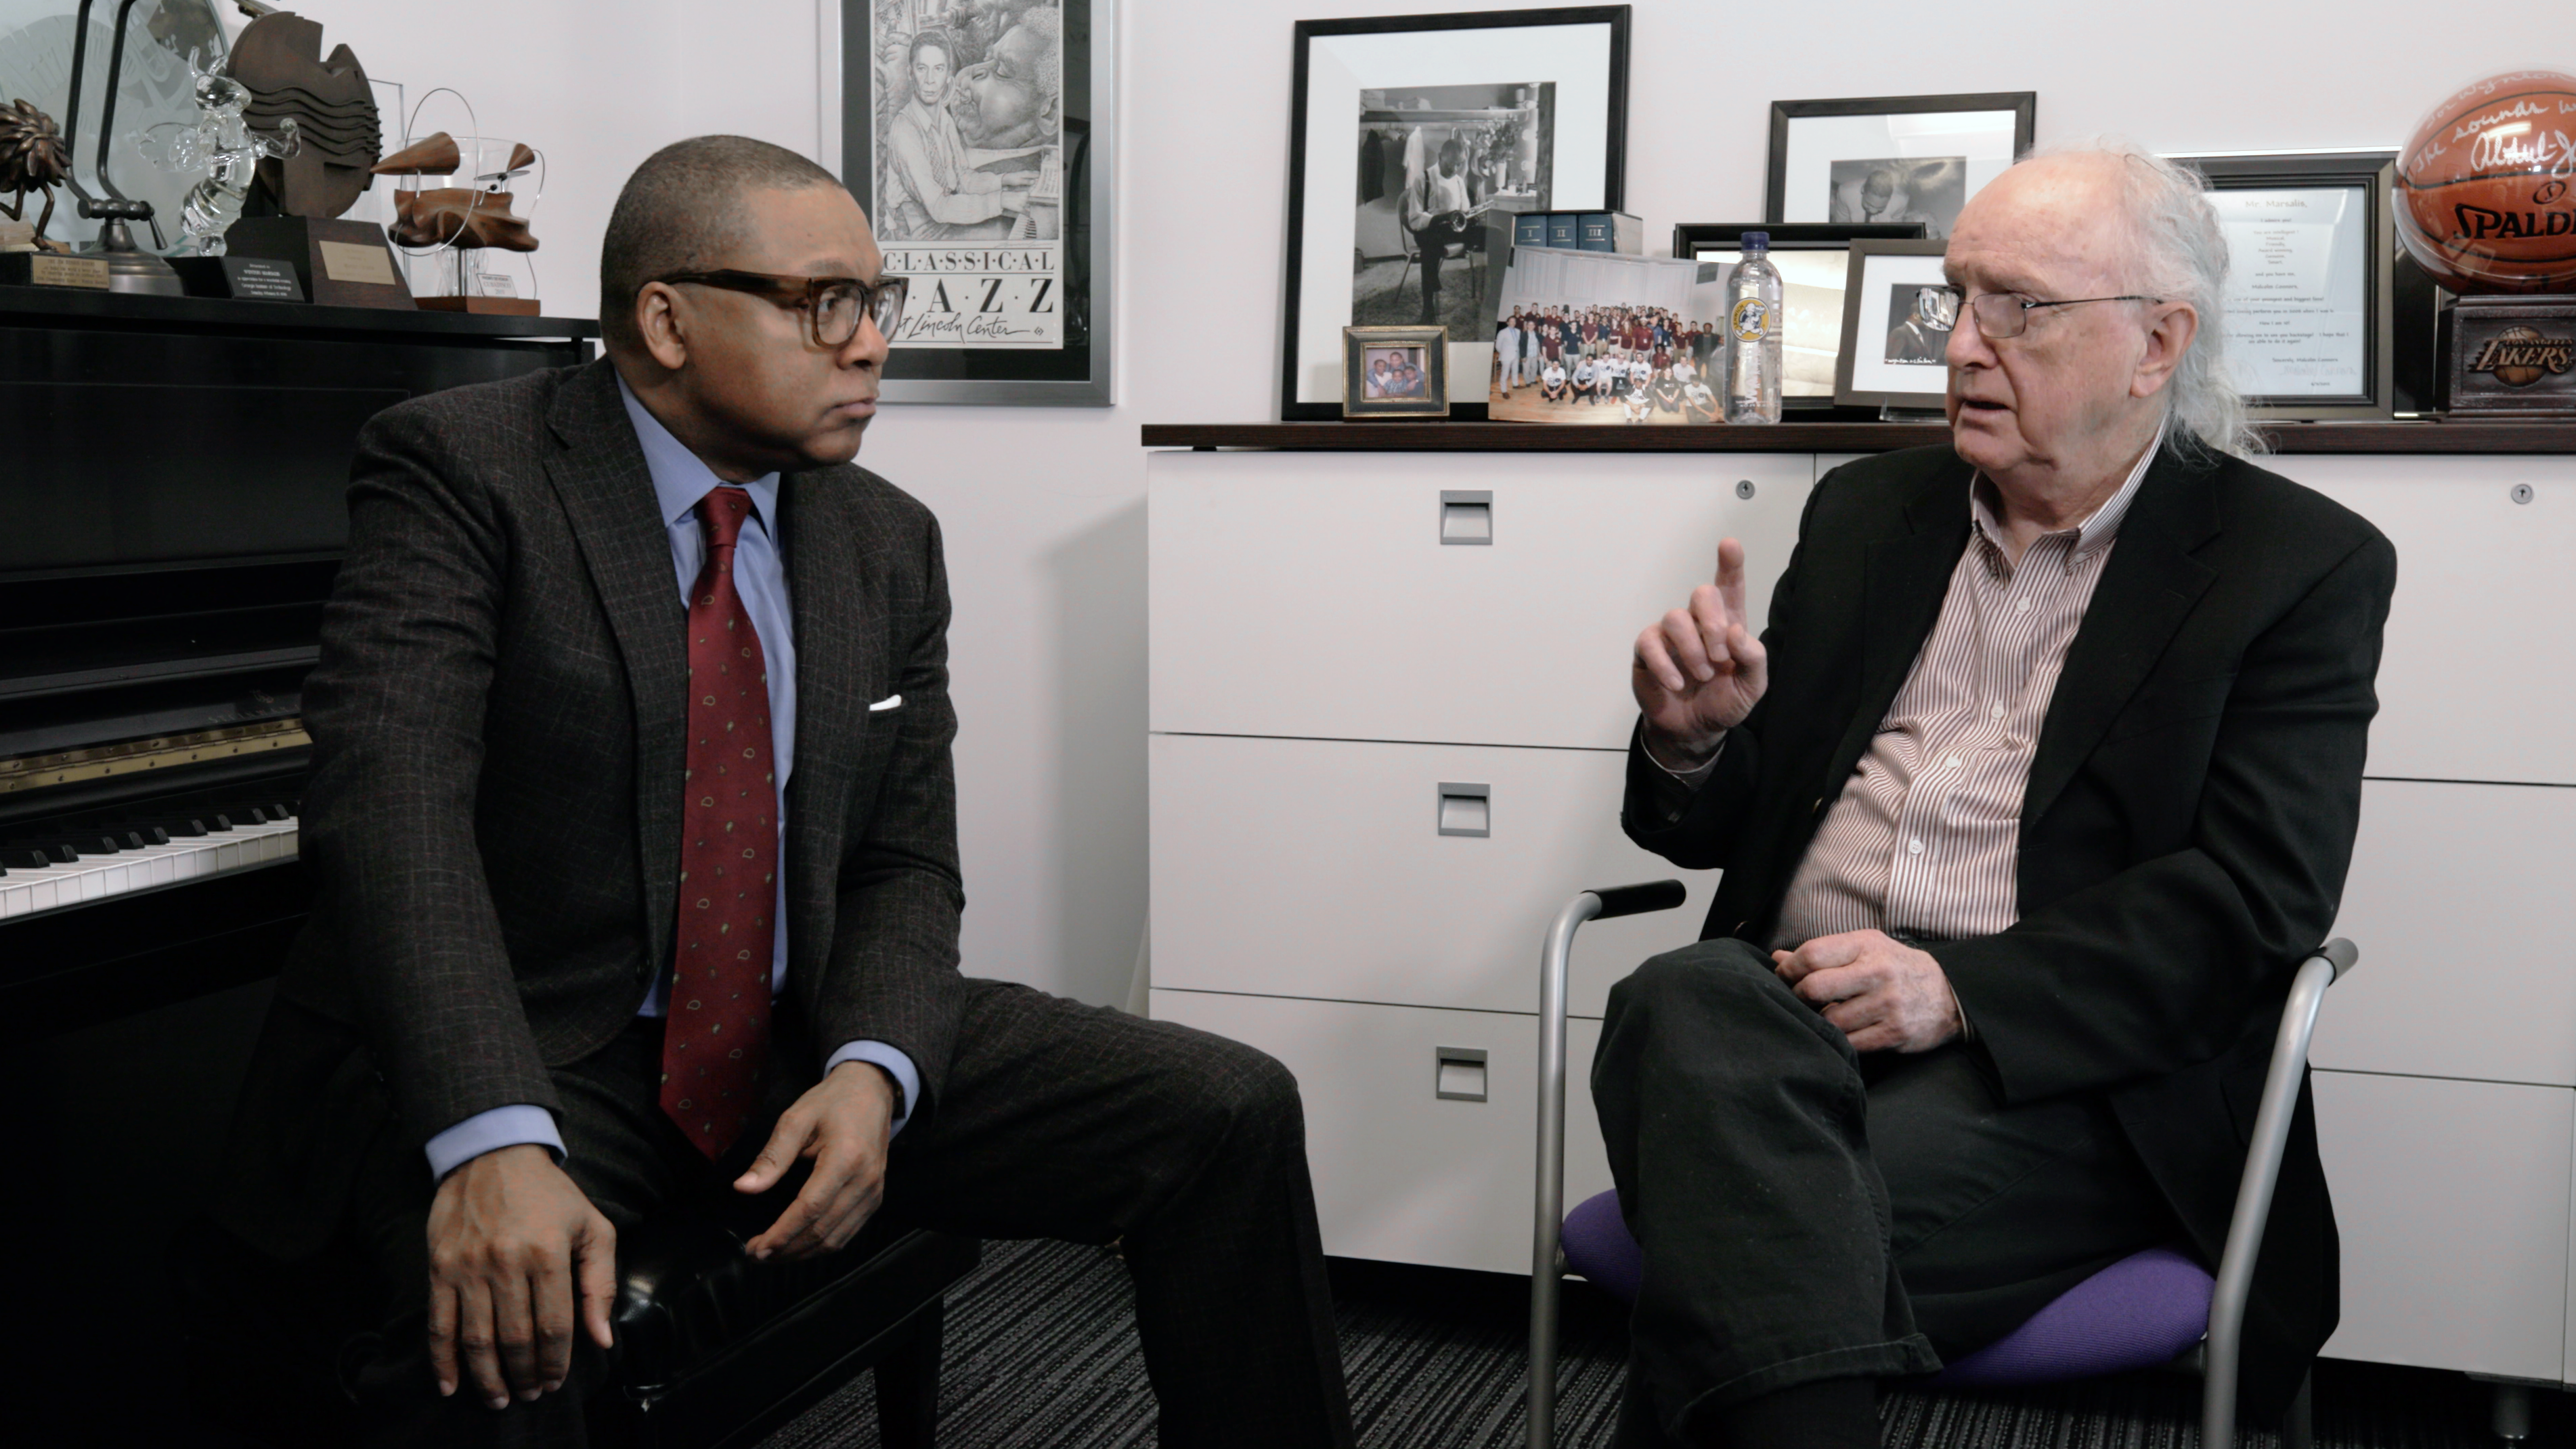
(494, 813)
(2184, 835)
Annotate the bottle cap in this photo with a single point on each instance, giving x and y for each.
(1756, 241)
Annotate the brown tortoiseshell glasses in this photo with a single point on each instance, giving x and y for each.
(832, 305)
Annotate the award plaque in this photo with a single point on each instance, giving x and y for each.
(2509, 354)
(249, 279)
(338, 263)
(52, 269)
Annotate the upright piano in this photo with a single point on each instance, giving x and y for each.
(172, 473)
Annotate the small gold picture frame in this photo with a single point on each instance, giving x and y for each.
(1395, 372)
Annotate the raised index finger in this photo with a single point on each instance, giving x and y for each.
(1730, 577)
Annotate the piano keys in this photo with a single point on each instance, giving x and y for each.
(31, 886)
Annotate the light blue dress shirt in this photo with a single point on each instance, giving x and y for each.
(680, 479)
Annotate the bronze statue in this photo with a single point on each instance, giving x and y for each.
(32, 158)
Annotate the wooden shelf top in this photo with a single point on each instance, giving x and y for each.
(2482, 435)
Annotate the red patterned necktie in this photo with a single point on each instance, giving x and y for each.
(717, 1033)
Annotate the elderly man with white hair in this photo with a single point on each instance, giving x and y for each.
(2038, 784)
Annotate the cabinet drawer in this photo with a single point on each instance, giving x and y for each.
(2457, 900)
(1306, 595)
(2452, 1202)
(1318, 868)
(1402, 1174)
(2474, 682)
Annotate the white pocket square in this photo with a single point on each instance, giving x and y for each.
(891, 701)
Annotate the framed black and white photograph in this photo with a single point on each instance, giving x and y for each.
(1395, 372)
(2309, 306)
(1414, 141)
(977, 136)
(1896, 327)
(1812, 258)
(1877, 160)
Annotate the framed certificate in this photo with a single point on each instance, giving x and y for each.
(2308, 308)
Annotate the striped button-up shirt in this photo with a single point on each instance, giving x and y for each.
(1925, 837)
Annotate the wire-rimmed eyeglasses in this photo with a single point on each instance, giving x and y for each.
(832, 305)
(1999, 314)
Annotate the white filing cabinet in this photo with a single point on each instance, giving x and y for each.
(1339, 670)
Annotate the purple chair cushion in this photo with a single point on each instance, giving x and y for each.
(1597, 1246)
(2146, 1309)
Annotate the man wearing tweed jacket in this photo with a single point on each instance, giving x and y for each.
(478, 1070)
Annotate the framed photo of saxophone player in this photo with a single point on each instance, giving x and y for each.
(1415, 142)
(977, 135)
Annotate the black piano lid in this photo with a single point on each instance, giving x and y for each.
(157, 432)
(173, 475)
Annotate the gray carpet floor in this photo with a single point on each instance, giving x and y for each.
(1041, 1354)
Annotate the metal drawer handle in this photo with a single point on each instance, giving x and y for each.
(1466, 809)
(1458, 1074)
(1467, 515)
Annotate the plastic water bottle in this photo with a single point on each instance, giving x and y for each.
(1753, 335)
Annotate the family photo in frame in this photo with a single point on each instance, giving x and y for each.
(1395, 372)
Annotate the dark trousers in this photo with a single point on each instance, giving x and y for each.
(1807, 1213)
(1432, 242)
(1057, 1120)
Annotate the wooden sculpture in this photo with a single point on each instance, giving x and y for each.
(462, 216)
(279, 60)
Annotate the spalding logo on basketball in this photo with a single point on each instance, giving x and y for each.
(2486, 189)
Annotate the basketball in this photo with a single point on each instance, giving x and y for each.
(2486, 187)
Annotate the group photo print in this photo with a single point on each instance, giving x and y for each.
(1601, 338)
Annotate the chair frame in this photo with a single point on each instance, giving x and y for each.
(1475, 256)
(2220, 1353)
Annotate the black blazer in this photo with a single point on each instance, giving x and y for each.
(2184, 835)
(494, 811)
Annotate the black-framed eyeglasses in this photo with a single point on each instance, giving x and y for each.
(1999, 314)
(832, 305)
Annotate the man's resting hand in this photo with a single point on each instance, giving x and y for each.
(508, 1233)
(844, 1122)
(1698, 671)
(1883, 995)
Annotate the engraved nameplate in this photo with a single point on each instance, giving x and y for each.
(50, 269)
(363, 265)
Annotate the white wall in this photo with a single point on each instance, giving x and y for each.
(1044, 509)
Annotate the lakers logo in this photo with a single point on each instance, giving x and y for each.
(2521, 356)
